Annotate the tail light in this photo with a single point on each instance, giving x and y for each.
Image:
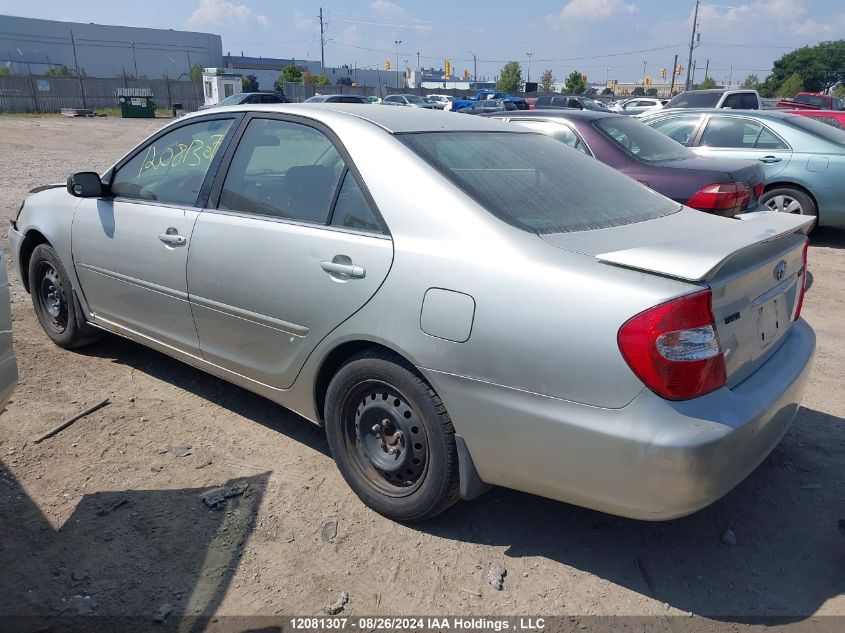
(803, 281)
(674, 347)
(531, 106)
(729, 196)
(758, 189)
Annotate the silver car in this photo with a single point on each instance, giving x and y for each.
(8, 362)
(548, 325)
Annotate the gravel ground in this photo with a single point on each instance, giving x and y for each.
(107, 517)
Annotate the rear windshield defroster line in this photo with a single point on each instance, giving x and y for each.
(537, 183)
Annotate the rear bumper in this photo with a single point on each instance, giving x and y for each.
(652, 459)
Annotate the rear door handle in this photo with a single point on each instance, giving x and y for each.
(173, 239)
(770, 159)
(349, 270)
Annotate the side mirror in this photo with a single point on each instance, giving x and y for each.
(85, 184)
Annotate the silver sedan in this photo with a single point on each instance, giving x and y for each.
(461, 303)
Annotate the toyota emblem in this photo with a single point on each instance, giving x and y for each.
(780, 270)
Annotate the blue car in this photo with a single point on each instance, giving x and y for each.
(803, 159)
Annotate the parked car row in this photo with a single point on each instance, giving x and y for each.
(562, 330)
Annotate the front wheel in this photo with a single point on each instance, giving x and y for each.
(391, 438)
(52, 299)
(786, 200)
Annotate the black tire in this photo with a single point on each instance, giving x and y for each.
(419, 479)
(52, 298)
(782, 199)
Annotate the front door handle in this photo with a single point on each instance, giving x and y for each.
(770, 159)
(172, 238)
(349, 270)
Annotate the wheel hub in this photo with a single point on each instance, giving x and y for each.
(389, 437)
(785, 204)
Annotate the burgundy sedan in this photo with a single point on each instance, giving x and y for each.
(718, 185)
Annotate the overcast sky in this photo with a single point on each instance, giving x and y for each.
(590, 35)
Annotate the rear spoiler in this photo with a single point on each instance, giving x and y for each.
(699, 258)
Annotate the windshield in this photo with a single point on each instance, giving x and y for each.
(695, 100)
(640, 141)
(812, 100)
(537, 183)
(233, 100)
(816, 128)
(415, 99)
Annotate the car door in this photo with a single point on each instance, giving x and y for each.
(736, 136)
(289, 247)
(130, 249)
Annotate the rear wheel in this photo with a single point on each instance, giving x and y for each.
(787, 200)
(52, 299)
(391, 437)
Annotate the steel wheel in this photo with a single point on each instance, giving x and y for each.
(785, 204)
(385, 438)
(51, 297)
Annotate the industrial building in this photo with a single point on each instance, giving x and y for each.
(33, 46)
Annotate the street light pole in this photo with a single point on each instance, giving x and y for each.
(731, 76)
(645, 63)
(134, 59)
(528, 79)
(397, 42)
(687, 84)
(474, 67)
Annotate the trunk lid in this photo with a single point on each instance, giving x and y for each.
(753, 264)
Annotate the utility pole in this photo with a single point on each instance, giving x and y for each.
(76, 67)
(529, 66)
(418, 61)
(706, 69)
(672, 85)
(322, 45)
(687, 85)
(692, 79)
(134, 59)
(731, 76)
(397, 42)
(474, 67)
(645, 63)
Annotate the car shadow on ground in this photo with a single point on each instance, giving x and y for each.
(785, 563)
(210, 388)
(827, 236)
(118, 551)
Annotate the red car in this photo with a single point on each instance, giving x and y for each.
(836, 118)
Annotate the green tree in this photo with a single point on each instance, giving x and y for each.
(839, 91)
(322, 80)
(61, 71)
(819, 67)
(752, 81)
(510, 77)
(575, 83)
(249, 83)
(790, 87)
(195, 73)
(638, 92)
(547, 80)
(708, 84)
(291, 74)
(607, 91)
(651, 92)
(4, 71)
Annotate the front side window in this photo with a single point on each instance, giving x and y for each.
(172, 167)
(733, 132)
(283, 169)
(559, 131)
(536, 184)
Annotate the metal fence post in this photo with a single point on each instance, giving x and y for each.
(34, 94)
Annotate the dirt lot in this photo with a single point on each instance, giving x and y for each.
(106, 518)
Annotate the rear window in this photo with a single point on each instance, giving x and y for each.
(813, 100)
(695, 100)
(536, 183)
(640, 141)
(816, 128)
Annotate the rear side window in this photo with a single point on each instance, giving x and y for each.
(536, 184)
(734, 132)
(283, 169)
(640, 141)
(733, 101)
(352, 210)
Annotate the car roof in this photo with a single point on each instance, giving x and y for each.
(765, 114)
(563, 113)
(394, 120)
